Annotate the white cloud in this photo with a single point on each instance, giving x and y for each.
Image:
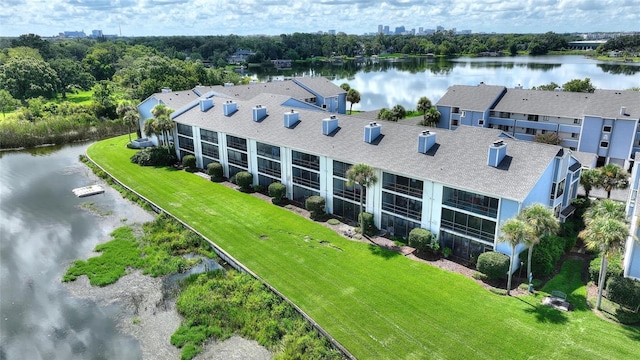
(245, 17)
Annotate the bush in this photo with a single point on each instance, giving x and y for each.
(369, 226)
(493, 264)
(154, 156)
(545, 255)
(315, 204)
(189, 163)
(422, 240)
(244, 179)
(277, 191)
(215, 170)
(624, 291)
(614, 267)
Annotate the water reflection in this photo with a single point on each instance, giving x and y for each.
(385, 83)
(43, 229)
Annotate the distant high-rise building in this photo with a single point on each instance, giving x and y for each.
(386, 30)
(332, 32)
(380, 29)
(96, 33)
(420, 30)
(439, 28)
(400, 30)
(74, 34)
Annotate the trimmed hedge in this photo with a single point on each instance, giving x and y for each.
(422, 240)
(624, 291)
(215, 170)
(614, 267)
(189, 163)
(244, 179)
(369, 225)
(155, 156)
(316, 206)
(493, 264)
(277, 191)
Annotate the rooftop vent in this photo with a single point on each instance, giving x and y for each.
(229, 107)
(259, 113)
(291, 118)
(426, 140)
(497, 152)
(371, 132)
(623, 110)
(206, 104)
(165, 90)
(329, 125)
(228, 84)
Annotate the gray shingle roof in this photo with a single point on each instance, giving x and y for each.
(541, 102)
(476, 98)
(246, 92)
(607, 104)
(321, 85)
(176, 99)
(459, 161)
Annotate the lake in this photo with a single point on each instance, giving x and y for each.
(43, 228)
(403, 81)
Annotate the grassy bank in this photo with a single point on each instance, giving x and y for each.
(377, 303)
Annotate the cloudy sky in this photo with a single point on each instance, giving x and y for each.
(247, 17)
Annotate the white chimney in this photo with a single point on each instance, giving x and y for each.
(623, 110)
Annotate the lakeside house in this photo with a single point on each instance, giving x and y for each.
(604, 123)
(460, 184)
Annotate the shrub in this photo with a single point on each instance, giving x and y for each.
(624, 291)
(215, 170)
(369, 226)
(493, 264)
(315, 204)
(154, 156)
(570, 242)
(422, 240)
(545, 255)
(277, 191)
(189, 163)
(614, 267)
(244, 179)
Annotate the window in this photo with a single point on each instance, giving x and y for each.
(455, 110)
(269, 151)
(306, 178)
(545, 118)
(606, 128)
(481, 122)
(480, 204)
(210, 150)
(237, 158)
(341, 189)
(340, 168)
(269, 167)
(505, 115)
(185, 143)
(236, 143)
(468, 225)
(604, 144)
(305, 160)
(463, 113)
(185, 130)
(401, 205)
(208, 135)
(574, 135)
(577, 121)
(532, 117)
(531, 131)
(454, 122)
(401, 184)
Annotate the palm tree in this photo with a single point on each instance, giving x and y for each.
(513, 232)
(128, 107)
(589, 178)
(353, 96)
(431, 117)
(605, 208)
(424, 104)
(398, 112)
(163, 123)
(346, 87)
(613, 176)
(608, 236)
(149, 127)
(542, 221)
(364, 176)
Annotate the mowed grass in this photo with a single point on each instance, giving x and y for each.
(378, 304)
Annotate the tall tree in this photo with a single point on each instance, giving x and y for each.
(513, 232)
(398, 112)
(26, 78)
(613, 176)
(608, 236)
(589, 178)
(542, 221)
(353, 97)
(149, 127)
(128, 112)
(424, 104)
(364, 176)
(605, 208)
(7, 102)
(163, 123)
(346, 87)
(71, 76)
(577, 85)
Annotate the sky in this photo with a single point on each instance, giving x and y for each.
(274, 17)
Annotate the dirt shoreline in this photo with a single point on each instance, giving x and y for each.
(147, 315)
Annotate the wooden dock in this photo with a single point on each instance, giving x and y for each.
(88, 190)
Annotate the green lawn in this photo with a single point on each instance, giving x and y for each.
(378, 304)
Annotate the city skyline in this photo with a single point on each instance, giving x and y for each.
(274, 17)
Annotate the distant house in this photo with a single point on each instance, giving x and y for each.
(604, 123)
(240, 56)
(461, 185)
(282, 63)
